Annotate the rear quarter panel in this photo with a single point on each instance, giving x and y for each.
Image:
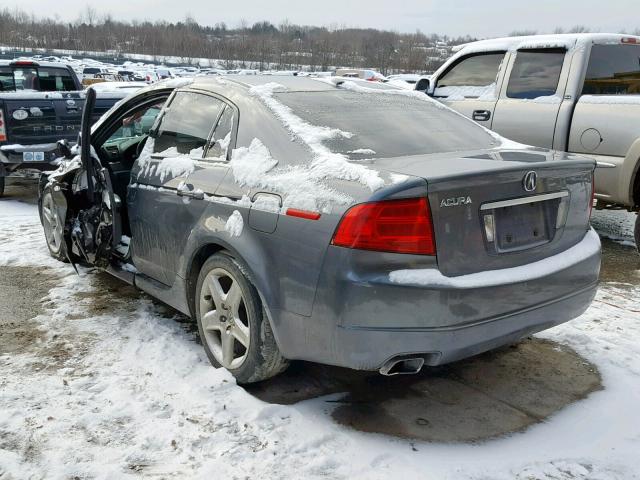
(607, 128)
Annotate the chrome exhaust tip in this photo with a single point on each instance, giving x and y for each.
(402, 366)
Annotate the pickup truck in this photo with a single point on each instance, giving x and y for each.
(577, 93)
(40, 103)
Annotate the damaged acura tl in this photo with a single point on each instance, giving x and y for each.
(326, 221)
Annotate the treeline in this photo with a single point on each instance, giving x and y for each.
(261, 45)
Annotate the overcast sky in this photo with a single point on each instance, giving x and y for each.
(452, 17)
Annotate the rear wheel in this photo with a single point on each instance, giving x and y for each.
(233, 324)
(53, 224)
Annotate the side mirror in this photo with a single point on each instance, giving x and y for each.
(423, 85)
(63, 149)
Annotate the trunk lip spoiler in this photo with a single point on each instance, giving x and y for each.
(524, 200)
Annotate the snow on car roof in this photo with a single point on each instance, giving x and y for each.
(289, 82)
(109, 86)
(564, 40)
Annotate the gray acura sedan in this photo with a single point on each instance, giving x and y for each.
(328, 221)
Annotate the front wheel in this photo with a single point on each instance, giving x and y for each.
(233, 324)
(53, 224)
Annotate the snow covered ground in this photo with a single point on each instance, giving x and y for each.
(115, 387)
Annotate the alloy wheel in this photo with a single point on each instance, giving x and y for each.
(224, 319)
(53, 224)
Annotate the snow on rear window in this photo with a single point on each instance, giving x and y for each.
(389, 125)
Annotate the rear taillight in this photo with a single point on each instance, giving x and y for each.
(3, 130)
(398, 226)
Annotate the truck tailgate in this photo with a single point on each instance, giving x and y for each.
(42, 117)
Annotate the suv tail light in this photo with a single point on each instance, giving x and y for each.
(3, 129)
(398, 226)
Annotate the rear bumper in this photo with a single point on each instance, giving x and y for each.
(364, 323)
(371, 348)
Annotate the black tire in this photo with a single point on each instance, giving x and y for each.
(262, 358)
(636, 231)
(57, 248)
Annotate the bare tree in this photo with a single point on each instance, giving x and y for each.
(262, 45)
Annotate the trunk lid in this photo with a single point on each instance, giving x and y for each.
(42, 117)
(483, 216)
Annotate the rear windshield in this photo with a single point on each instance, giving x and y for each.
(613, 70)
(36, 79)
(386, 125)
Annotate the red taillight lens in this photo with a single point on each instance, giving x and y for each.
(24, 63)
(399, 226)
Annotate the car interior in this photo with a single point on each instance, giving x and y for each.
(122, 143)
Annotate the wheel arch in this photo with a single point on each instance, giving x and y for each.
(193, 270)
(257, 277)
(630, 175)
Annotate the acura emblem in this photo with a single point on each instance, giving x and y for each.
(530, 181)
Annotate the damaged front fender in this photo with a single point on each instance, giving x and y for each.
(91, 224)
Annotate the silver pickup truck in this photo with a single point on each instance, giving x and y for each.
(577, 93)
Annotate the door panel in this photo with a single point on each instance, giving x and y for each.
(526, 122)
(164, 203)
(481, 111)
(530, 100)
(471, 86)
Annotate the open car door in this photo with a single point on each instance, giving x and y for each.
(96, 229)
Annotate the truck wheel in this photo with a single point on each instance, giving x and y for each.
(53, 224)
(233, 324)
(636, 231)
